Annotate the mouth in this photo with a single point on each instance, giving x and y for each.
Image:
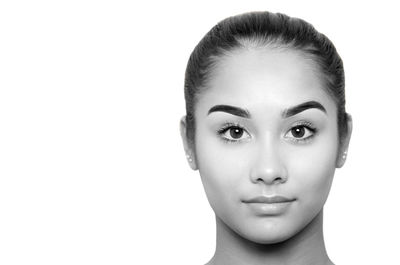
(269, 205)
(269, 199)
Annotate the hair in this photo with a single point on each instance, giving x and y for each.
(263, 29)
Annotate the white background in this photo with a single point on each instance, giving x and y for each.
(92, 169)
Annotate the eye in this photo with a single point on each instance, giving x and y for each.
(301, 132)
(233, 133)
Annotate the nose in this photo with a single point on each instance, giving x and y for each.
(269, 167)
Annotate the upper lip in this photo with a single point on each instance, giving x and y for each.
(269, 199)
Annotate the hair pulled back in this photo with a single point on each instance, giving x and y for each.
(259, 29)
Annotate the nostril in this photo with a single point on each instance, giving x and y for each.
(276, 180)
(279, 179)
(268, 175)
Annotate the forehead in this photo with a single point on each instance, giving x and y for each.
(264, 78)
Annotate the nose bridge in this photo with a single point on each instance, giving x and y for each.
(268, 166)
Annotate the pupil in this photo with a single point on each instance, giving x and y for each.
(236, 133)
(298, 132)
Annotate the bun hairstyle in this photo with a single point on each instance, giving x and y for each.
(264, 29)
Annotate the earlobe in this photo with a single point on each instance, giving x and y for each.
(187, 147)
(343, 150)
(341, 159)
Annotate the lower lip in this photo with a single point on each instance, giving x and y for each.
(270, 208)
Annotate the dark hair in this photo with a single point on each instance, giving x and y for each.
(264, 29)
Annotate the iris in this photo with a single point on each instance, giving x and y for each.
(236, 132)
(298, 132)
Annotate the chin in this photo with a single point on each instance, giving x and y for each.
(267, 231)
(272, 231)
(267, 237)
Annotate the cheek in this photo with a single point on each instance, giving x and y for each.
(312, 174)
(222, 173)
(219, 173)
(315, 178)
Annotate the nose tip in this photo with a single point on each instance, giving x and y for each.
(270, 178)
(270, 171)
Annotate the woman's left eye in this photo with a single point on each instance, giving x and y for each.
(300, 133)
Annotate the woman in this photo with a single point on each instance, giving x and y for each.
(266, 127)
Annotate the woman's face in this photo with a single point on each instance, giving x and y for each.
(266, 143)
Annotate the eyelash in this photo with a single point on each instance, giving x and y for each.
(228, 126)
(309, 126)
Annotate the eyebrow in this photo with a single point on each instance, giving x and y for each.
(231, 110)
(302, 107)
(285, 114)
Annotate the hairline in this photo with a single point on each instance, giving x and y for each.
(257, 43)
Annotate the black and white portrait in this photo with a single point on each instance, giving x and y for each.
(199, 132)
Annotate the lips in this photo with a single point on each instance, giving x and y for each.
(269, 206)
(269, 199)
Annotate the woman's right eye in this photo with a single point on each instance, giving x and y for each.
(233, 133)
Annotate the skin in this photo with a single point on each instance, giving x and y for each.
(266, 157)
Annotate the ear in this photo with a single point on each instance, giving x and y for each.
(190, 154)
(342, 153)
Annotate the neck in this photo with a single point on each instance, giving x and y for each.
(305, 248)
